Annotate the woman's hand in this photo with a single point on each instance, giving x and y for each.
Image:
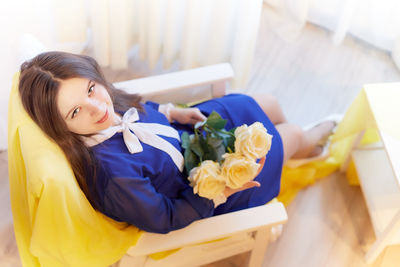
(229, 191)
(187, 115)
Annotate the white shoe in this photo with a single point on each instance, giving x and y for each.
(294, 163)
(336, 117)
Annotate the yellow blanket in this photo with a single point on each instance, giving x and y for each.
(53, 226)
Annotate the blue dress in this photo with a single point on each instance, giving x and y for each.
(147, 190)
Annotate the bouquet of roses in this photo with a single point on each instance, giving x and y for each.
(216, 158)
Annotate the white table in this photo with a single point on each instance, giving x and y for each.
(378, 164)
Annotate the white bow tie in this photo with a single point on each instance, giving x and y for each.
(145, 132)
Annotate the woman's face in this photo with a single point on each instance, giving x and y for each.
(85, 106)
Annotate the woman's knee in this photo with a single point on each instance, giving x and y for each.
(270, 105)
(265, 100)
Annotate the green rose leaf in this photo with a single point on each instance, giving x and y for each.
(203, 144)
(220, 151)
(230, 147)
(185, 140)
(217, 147)
(191, 160)
(215, 121)
(225, 137)
(214, 141)
(233, 130)
(211, 154)
(228, 140)
(197, 149)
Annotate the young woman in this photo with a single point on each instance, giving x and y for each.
(126, 155)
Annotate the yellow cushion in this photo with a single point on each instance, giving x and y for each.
(54, 223)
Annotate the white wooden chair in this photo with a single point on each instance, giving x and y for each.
(238, 232)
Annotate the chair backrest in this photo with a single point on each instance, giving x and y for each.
(54, 223)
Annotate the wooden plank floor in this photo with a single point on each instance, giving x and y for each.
(328, 222)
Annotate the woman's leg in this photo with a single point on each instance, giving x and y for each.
(296, 142)
(300, 144)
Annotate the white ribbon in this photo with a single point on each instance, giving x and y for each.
(145, 132)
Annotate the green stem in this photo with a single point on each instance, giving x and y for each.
(196, 133)
(226, 132)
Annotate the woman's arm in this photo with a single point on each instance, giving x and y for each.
(181, 115)
(134, 200)
(187, 115)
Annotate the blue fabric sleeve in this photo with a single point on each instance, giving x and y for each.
(135, 200)
(152, 104)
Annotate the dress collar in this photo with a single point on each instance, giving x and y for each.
(134, 131)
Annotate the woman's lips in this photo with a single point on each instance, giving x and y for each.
(105, 117)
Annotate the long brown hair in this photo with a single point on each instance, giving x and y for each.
(39, 84)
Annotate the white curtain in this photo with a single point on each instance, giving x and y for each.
(191, 33)
(374, 21)
(59, 25)
(194, 32)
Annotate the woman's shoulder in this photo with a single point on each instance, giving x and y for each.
(114, 161)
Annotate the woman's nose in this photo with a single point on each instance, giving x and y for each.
(95, 106)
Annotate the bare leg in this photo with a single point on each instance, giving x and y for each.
(312, 137)
(300, 144)
(291, 136)
(296, 142)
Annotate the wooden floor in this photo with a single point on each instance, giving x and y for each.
(328, 222)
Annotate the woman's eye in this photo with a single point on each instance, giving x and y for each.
(91, 89)
(75, 112)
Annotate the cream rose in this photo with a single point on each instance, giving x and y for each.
(238, 169)
(206, 180)
(252, 141)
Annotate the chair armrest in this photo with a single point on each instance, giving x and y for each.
(216, 75)
(212, 228)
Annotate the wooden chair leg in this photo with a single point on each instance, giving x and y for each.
(276, 232)
(261, 243)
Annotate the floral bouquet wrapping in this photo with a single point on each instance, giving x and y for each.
(216, 158)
